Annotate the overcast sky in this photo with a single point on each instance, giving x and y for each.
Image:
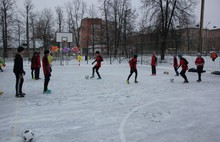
(211, 13)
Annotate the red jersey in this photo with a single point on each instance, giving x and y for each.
(183, 63)
(133, 63)
(98, 61)
(153, 60)
(199, 61)
(38, 63)
(46, 65)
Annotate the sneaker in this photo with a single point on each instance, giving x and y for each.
(135, 81)
(199, 80)
(99, 78)
(92, 77)
(19, 95)
(23, 94)
(47, 92)
(127, 81)
(186, 81)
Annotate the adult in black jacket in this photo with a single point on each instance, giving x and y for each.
(19, 72)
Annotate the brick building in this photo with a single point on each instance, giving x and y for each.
(92, 35)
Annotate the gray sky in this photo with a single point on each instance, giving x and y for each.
(211, 13)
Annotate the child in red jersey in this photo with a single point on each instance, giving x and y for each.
(153, 64)
(133, 69)
(199, 63)
(98, 61)
(47, 71)
(38, 66)
(184, 65)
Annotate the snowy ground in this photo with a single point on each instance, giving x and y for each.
(109, 110)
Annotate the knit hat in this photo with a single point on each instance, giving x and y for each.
(135, 56)
(97, 52)
(20, 49)
(46, 52)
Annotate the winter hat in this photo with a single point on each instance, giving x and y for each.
(20, 49)
(46, 52)
(135, 56)
(97, 52)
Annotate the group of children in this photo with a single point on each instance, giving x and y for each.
(19, 70)
(183, 63)
(47, 59)
(35, 69)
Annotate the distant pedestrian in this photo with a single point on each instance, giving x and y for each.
(175, 65)
(199, 63)
(184, 65)
(79, 58)
(153, 64)
(33, 65)
(133, 69)
(50, 58)
(19, 72)
(38, 66)
(47, 71)
(98, 61)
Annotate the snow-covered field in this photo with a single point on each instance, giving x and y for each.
(109, 110)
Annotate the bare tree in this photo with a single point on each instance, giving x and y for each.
(105, 8)
(60, 18)
(75, 10)
(44, 30)
(33, 17)
(167, 13)
(118, 17)
(19, 30)
(29, 7)
(6, 11)
(92, 13)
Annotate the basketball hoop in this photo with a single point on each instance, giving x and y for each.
(64, 39)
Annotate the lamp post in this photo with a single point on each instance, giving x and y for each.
(201, 27)
(27, 32)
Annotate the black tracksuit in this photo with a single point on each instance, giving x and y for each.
(19, 72)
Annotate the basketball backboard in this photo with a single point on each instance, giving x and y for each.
(64, 37)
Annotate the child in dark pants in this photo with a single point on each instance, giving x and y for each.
(98, 61)
(153, 64)
(47, 71)
(19, 72)
(184, 65)
(133, 69)
(199, 63)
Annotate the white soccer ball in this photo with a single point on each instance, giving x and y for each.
(171, 80)
(87, 77)
(28, 136)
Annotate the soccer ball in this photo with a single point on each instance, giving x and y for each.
(87, 77)
(28, 136)
(171, 80)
